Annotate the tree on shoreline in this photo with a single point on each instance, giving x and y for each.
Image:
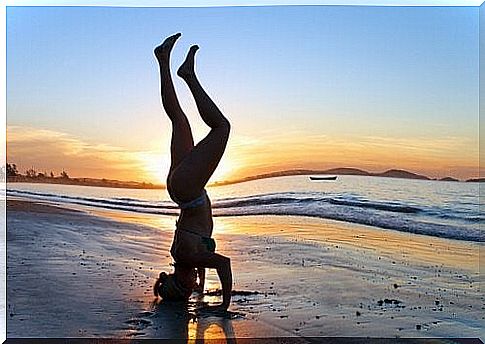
(31, 172)
(12, 170)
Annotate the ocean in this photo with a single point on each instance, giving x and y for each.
(442, 209)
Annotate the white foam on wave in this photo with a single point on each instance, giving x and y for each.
(453, 223)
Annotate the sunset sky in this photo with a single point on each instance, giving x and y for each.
(303, 86)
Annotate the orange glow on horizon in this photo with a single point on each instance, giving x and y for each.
(246, 156)
(433, 157)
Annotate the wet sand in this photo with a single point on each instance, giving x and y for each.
(87, 273)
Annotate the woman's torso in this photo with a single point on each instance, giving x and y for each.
(194, 226)
(197, 220)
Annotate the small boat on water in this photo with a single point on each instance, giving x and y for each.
(323, 177)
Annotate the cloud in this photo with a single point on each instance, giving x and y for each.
(51, 150)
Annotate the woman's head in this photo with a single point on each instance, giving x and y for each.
(177, 286)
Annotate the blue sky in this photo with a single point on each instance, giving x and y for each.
(399, 74)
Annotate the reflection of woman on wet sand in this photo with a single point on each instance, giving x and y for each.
(191, 167)
(176, 322)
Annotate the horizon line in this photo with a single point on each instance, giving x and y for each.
(274, 173)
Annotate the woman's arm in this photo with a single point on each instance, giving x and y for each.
(225, 275)
(223, 266)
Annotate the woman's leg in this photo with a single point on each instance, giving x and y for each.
(192, 174)
(182, 141)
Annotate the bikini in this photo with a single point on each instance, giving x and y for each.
(197, 202)
(209, 243)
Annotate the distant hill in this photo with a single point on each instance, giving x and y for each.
(393, 173)
(347, 171)
(476, 180)
(400, 174)
(267, 175)
(448, 179)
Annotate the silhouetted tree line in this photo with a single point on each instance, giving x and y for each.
(12, 171)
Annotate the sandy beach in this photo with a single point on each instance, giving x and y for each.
(89, 273)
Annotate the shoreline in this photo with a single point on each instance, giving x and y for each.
(116, 184)
(330, 232)
(349, 284)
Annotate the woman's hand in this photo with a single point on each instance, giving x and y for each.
(223, 266)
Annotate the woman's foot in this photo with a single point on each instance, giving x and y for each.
(162, 52)
(187, 69)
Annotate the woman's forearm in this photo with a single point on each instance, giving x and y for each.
(225, 275)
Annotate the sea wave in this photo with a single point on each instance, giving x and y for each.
(437, 221)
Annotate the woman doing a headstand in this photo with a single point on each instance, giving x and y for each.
(193, 249)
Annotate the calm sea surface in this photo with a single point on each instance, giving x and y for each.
(444, 209)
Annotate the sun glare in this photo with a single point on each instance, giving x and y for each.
(155, 167)
(224, 171)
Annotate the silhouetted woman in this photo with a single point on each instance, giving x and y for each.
(193, 249)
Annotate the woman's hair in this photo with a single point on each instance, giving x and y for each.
(169, 289)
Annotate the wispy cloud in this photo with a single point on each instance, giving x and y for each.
(51, 150)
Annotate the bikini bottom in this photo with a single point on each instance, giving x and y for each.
(186, 242)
